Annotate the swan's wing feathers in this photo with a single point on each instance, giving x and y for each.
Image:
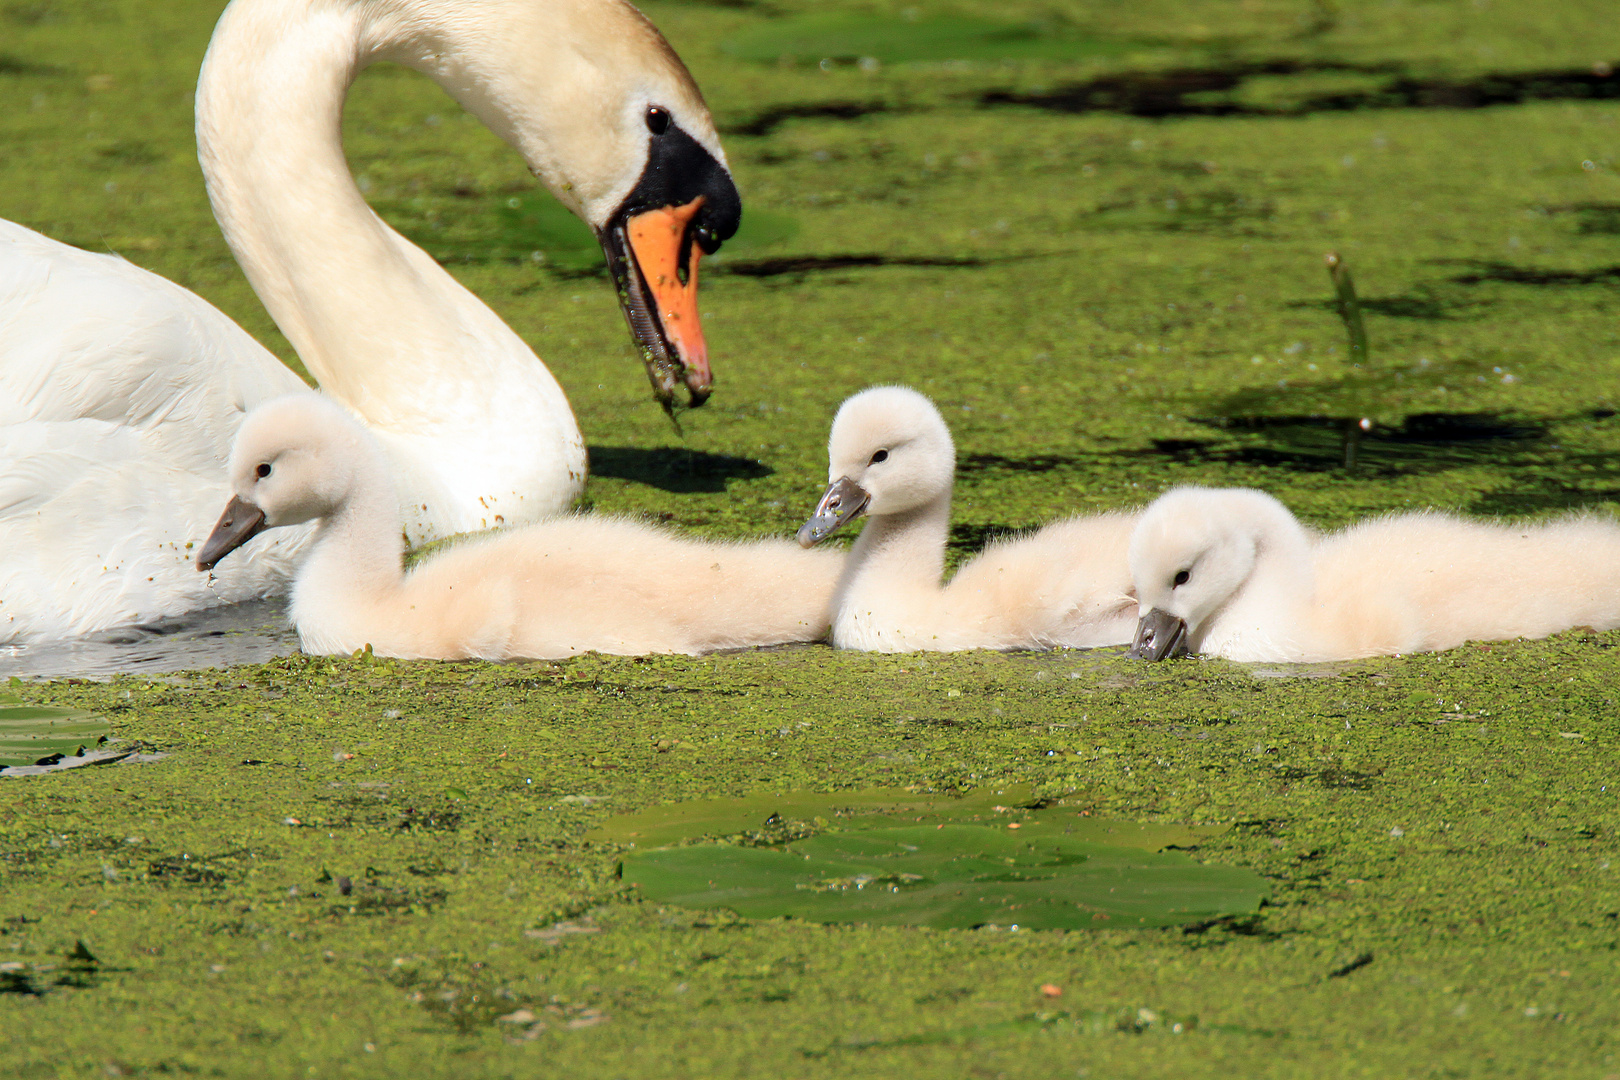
(87, 335)
(120, 394)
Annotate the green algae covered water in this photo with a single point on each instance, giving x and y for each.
(1094, 234)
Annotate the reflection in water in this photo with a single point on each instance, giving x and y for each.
(248, 633)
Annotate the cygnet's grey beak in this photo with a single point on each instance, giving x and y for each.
(843, 501)
(240, 522)
(1159, 636)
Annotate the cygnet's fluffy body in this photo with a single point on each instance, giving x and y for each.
(547, 590)
(890, 456)
(1250, 583)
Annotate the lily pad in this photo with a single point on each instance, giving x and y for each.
(853, 38)
(947, 876)
(40, 735)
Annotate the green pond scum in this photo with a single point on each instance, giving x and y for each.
(1096, 237)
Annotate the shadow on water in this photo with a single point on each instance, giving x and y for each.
(1422, 443)
(1216, 91)
(1591, 218)
(768, 120)
(806, 264)
(674, 468)
(1483, 271)
(248, 633)
(1420, 304)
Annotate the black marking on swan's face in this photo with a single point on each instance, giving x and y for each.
(683, 188)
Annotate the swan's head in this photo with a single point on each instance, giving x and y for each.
(608, 117)
(294, 461)
(889, 452)
(1193, 550)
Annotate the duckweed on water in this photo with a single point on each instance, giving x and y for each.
(345, 868)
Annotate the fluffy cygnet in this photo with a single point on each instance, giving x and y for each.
(1230, 572)
(890, 457)
(546, 590)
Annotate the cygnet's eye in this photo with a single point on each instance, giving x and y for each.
(881, 455)
(1183, 577)
(264, 469)
(657, 119)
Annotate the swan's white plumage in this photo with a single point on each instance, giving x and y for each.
(1263, 587)
(1067, 584)
(120, 394)
(551, 589)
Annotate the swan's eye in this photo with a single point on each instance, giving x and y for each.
(881, 455)
(1183, 577)
(657, 119)
(264, 469)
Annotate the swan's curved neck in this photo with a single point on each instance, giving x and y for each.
(899, 551)
(354, 564)
(382, 327)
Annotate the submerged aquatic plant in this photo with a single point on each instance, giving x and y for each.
(903, 859)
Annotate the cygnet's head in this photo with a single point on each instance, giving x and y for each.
(294, 461)
(1193, 550)
(889, 452)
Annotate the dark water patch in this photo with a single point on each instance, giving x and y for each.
(1187, 91)
(1353, 966)
(1224, 930)
(810, 264)
(1591, 218)
(831, 39)
(973, 464)
(11, 65)
(1484, 271)
(674, 468)
(1421, 443)
(1216, 91)
(1334, 778)
(248, 633)
(769, 119)
(1551, 496)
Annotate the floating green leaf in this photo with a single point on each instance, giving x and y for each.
(535, 222)
(947, 876)
(760, 229)
(853, 38)
(33, 734)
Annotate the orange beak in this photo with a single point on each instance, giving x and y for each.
(658, 239)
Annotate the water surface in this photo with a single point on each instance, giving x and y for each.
(248, 633)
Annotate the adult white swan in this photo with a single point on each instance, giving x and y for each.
(120, 393)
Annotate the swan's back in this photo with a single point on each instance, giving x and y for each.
(1068, 584)
(120, 393)
(1429, 581)
(584, 583)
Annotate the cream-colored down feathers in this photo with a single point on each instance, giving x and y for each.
(546, 590)
(1259, 586)
(1065, 585)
